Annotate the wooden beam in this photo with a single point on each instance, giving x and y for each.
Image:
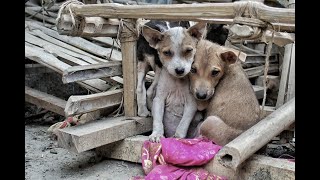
(258, 90)
(291, 77)
(250, 141)
(93, 71)
(88, 26)
(284, 75)
(194, 12)
(129, 149)
(128, 41)
(259, 70)
(79, 104)
(45, 100)
(101, 132)
(269, 168)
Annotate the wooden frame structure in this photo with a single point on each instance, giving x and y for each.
(76, 139)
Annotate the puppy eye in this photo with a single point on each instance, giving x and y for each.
(189, 50)
(193, 70)
(167, 53)
(215, 72)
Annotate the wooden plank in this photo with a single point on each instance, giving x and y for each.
(101, 132)
(59, 51)
(284, 75)
(106, 41)
(40, 56)
(40, 16)
(250, 141)
(79, 43)
(267, 167)
(128, 41)
(45, 100)
(93, 71)
(258, 90)
(180, 12)
(79, 104)
(41, 33)
(129, 149)
(291, 78)
(259, 70)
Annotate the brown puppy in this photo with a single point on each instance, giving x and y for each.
(220, 86)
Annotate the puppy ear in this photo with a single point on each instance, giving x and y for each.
(197, 30)
(152, 36)
(229, 57)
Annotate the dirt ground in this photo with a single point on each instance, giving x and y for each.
(44, 160)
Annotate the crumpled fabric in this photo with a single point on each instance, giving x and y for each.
(178, 159)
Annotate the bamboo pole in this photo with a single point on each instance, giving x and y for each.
(195, 12)
(242, 147)
(128, 39)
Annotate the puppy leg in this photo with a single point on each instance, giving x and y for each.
(218, 131)
(190, 109)
(143, 68)
(158, 111)
(151, 89)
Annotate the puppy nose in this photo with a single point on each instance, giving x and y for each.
(179, 70)
(201, 95)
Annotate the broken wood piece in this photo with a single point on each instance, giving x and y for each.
(247, 143)
(129, 149)
(259, 70)
(101, 132)
(87, 26)
(182, 12)
(78, 104)
(45, 100)
(93, 71)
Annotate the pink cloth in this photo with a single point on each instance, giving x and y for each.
(175, 158)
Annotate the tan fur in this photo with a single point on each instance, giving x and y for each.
(233, 108)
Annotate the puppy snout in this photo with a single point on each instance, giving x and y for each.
(201, 95)
(179, 71)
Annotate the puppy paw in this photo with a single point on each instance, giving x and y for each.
(180, 134)
(144, 113)
(155, 137)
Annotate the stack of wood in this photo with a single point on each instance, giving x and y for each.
(94, 63)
